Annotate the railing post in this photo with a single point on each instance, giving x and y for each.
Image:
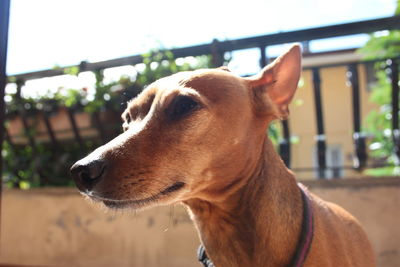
(394, 76)
(263, 56)
(320, 138)
(360, 148)
(4, 22)
(99, 127)
(75, 128)
(50, 130)
(23, 115)
(7, 137)
(217, 55)
(25, 124)
(284, 144)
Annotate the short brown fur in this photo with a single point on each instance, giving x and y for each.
(217, 160)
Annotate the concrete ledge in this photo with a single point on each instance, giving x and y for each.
(57, 227)
(353, 183)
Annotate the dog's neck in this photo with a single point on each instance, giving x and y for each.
(257, 225)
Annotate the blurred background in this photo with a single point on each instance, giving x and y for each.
(72, 66)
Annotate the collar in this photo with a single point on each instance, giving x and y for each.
(306, 236)
(307, 230)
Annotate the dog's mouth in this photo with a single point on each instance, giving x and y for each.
(138, 203)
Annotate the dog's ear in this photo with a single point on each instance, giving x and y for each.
(279, 81)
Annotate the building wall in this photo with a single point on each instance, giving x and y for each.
(57, 227)
(337, 113)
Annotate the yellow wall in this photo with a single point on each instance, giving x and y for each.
(337, 113)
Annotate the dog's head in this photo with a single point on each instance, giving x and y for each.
(190, 135)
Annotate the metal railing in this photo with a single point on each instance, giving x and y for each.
(217, 50)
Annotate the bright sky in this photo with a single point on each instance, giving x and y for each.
(45, 33)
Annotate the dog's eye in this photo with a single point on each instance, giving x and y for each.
(181, 106)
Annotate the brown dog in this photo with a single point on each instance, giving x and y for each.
(200, 138)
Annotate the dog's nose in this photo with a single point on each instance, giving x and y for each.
(87, 174)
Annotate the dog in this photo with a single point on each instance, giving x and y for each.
(199, 138)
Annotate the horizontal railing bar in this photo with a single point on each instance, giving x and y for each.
(345, 63)
(346, 167)
(310, 169)
(340, 64)
(345, 29)
(324, 32)
(42, 74)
